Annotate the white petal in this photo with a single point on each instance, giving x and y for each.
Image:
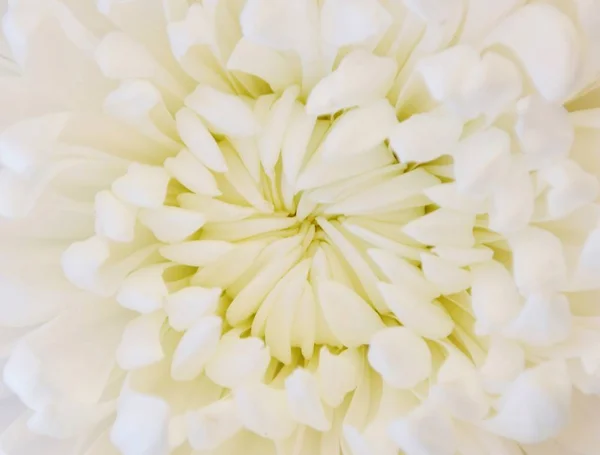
(359, 130)
(142, 186)
(238, 361)
(141, 425)
(24, 143)
(279, 25)
(448, 196)
(543, 321)
(199, 141)
(464, 256)
(553, 73)
(351, 319)
(114, 219)
(504, 362)
(538, 261)
(351, 22)
(361, 78)
(401, 358)
(186, 306)
(337, 374)
(490, 88)
(494, 297)
(418, 314)
(590, 253)
(140, 104)
(141, 344)
(458, 390)
(171, 224)
(143, 290)
(271, 138)
(69, 420)
(196, 348)
(264, 411)
(446, 276)
(544, 131)
(425, 137)
(226, 114)
(320, 171)
(304, 400)
(191, 173)
(512, 200)
(571, 188)
(120, 57)
(402, 273)
(196, 253)
(536, 405)
(212, 425)
(390, 192)
(481, 160)
(265, 63)
(444, 73)
(443, 228)
(296, 141)
(81, 262)
(424, 432)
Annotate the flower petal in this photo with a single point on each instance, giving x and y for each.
(401, 358)
(238, 361)
(536, 405)
(141, 342)
(554, 74)
(425, 137)
(225, 113)
(195, 348)
(304, 400)
(186, 306)
(352, 320)
(360, 79)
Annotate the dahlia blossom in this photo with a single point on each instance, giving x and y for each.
(300, 227)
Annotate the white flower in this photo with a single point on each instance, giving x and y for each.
(308, 227)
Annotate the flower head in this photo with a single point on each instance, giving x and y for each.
(300, 227)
